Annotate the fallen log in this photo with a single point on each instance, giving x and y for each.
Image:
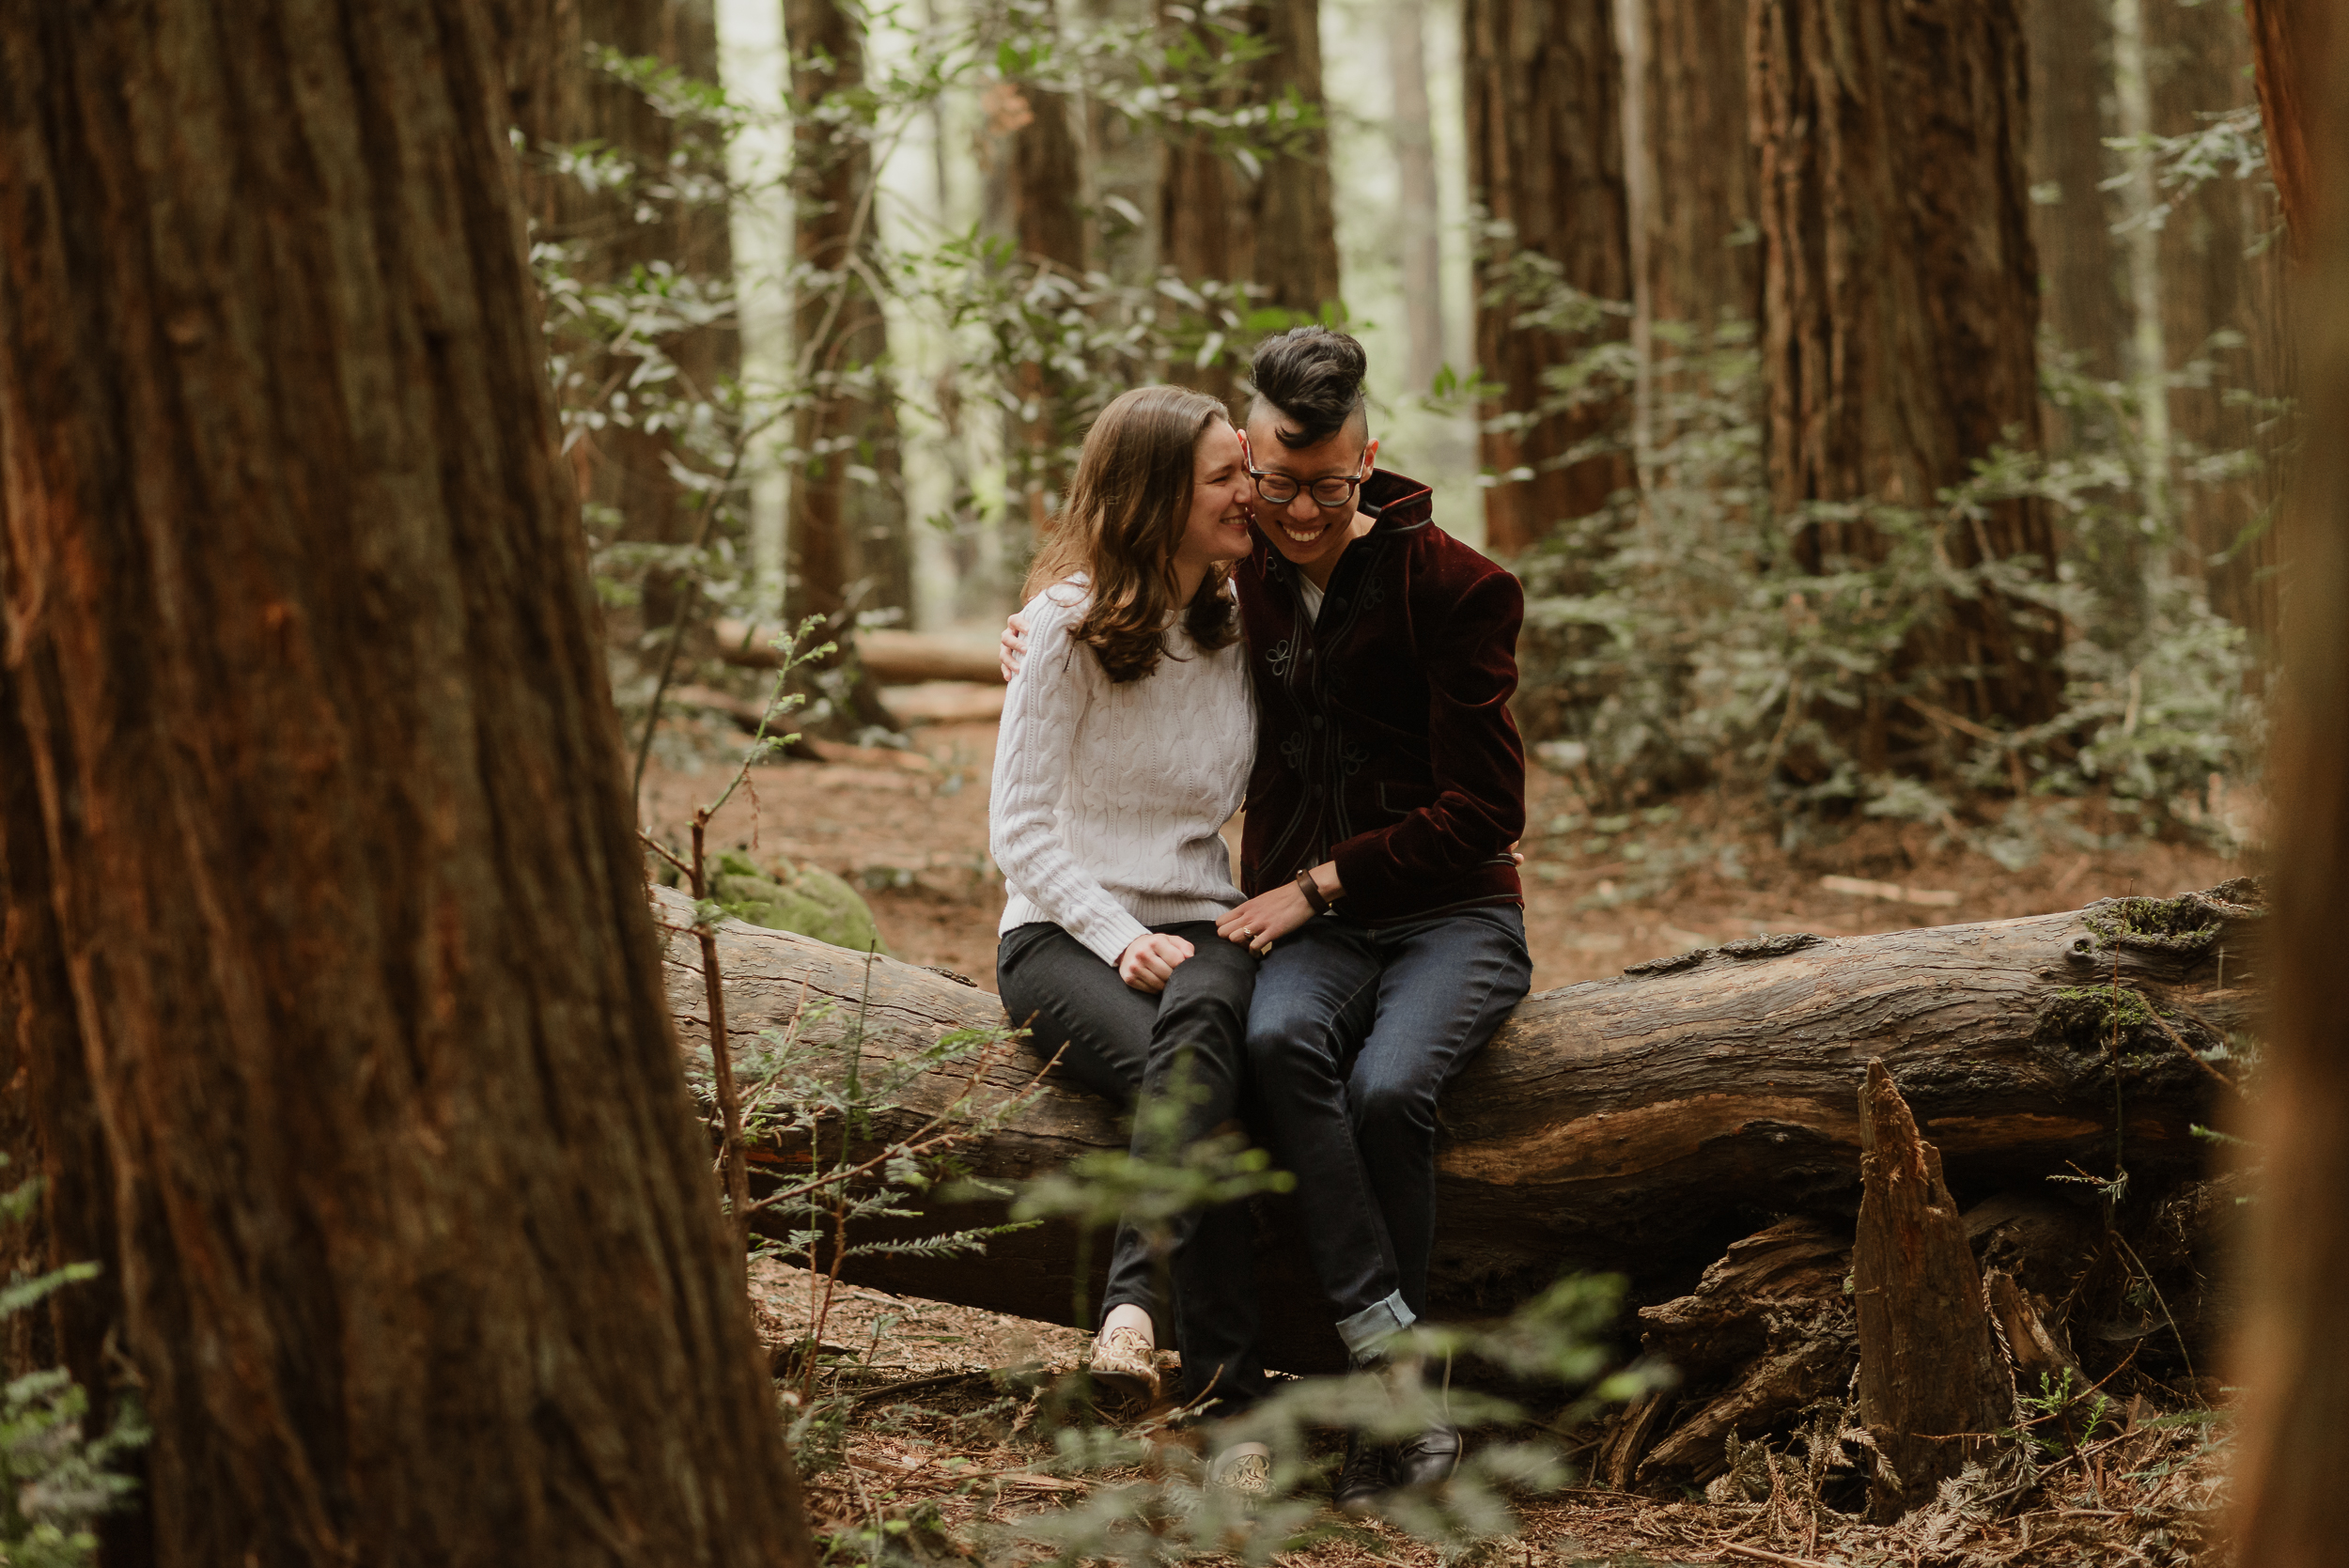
(1640, 1124)
(890, 658)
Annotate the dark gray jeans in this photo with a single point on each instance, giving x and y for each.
(1125, 1044)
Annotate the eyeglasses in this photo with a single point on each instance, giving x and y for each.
(1328, 494)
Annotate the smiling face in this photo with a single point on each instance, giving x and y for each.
(1217, 529)
(1308, 534)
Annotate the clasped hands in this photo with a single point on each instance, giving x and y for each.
(1149, 960)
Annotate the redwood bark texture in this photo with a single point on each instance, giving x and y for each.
(1703, 243)
(847, 532)
(1900, 312)
(1929, 1371)
(1638, 1123)
(2290, 1355)
(2291, 51)
(417, 1244)
(1546, 162)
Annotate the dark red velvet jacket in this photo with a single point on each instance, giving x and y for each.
(1383, 734)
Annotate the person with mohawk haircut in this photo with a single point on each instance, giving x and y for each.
(1383, 814)
(1383, 810)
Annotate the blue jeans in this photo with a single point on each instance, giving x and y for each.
(1353, 1034)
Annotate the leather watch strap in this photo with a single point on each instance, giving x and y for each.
(1312, 894)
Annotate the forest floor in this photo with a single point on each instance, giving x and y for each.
(941, 1443)
(908, 830)
(947, 1454)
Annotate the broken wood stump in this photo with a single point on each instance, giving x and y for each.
(1932, 1383)
(1768, 1330)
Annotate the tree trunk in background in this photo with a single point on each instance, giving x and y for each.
(1124, 163)
(1206, 229)
(1411, 132)
(418, 1244)
(2200, 63)
(1704, 249)
(2082, 292)
(558, 97)
(1291, 207)
(2290, 1356)
(1900, 314)
(1544, 137)
(2284, 35)
(1035, 182)
(1275, 230)
(848, 543)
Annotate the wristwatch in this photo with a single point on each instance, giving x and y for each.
(1312, 894)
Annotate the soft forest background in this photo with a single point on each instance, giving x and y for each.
(1896, 451)
(492, 489)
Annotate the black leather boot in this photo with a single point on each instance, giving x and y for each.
(1363, 1476)
(1428, 1458)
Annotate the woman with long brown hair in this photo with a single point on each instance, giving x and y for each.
(1125, 745)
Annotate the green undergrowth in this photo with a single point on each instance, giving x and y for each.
(56, 1478)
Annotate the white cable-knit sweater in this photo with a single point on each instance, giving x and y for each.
(1109, 797)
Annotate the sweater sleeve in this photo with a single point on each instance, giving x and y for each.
(1042, 709)
(1474, 752)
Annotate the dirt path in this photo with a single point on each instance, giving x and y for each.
(1603, 889)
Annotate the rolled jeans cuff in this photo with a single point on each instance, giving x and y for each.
(1367, 1330)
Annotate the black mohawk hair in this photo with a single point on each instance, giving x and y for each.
(1314, 376)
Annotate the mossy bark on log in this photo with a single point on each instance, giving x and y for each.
(1638, 1124)
(1932, 1384)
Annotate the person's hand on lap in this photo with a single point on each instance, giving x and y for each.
(1148, 962)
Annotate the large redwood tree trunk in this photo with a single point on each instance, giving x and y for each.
(1545, 161)
(2290, 1356)
(1703, 243)
(844, 530)
(416, 1241)
(1901, 310)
